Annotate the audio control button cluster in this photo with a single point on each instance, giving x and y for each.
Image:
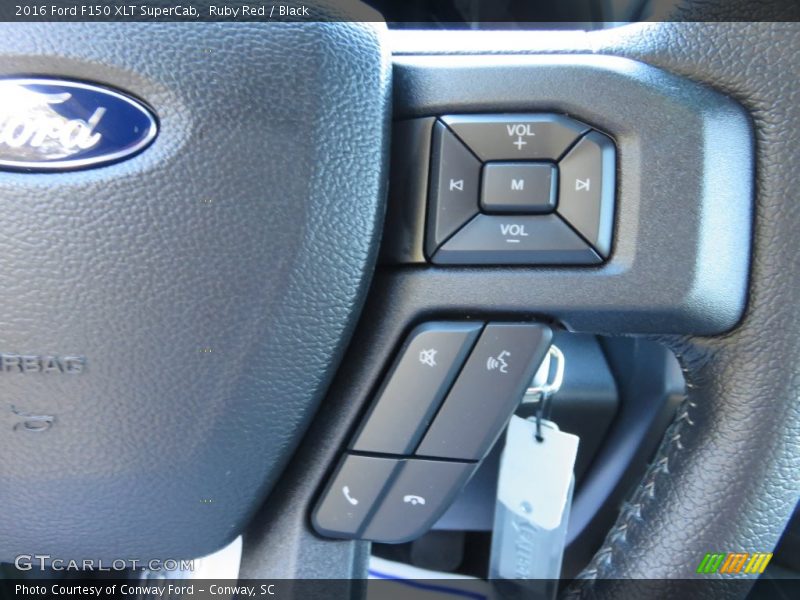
(534, 189)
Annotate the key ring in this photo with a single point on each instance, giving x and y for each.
(541, 393)
(536, 392)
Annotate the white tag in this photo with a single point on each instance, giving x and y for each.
(534, 494)
(538, 474)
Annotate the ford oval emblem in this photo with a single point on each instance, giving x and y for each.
(55, 125)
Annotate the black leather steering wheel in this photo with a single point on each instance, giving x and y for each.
(726, 474)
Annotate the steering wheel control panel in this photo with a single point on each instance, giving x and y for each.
(519, 189)
(449, 393)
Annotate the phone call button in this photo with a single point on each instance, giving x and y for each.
(420, 493)
(351, 494)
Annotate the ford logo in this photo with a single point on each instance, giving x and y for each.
(55, 125)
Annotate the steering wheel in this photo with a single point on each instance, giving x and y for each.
(725, 475)
(221, 289)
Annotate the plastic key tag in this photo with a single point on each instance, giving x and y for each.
(534, 495)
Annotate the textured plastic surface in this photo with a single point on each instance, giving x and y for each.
(684, 181)
(405, 239)
(210, 283)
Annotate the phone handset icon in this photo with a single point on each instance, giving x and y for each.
(350, 499)
(413, 500)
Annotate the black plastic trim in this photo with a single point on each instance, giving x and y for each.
(683, 222)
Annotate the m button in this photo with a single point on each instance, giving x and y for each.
(510, 187)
